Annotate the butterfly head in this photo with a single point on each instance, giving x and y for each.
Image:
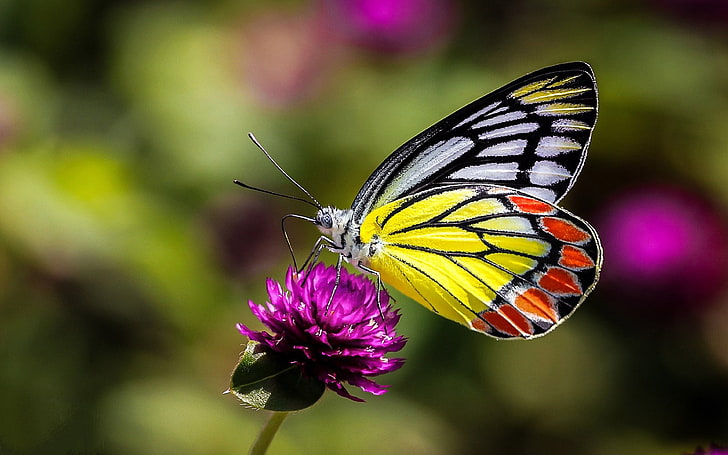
(333, 223)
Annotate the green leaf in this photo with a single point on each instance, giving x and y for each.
(267, 380)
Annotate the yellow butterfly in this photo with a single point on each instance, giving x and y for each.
(462, 218)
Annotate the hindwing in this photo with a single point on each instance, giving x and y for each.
(492, 258)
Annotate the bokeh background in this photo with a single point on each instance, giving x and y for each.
(127, 255)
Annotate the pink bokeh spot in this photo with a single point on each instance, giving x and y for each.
(712, 450)
(387, 15)
(396, 26)
(664, 245)
(658, 238)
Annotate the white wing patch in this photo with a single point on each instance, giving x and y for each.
(519, 128)
(554, 109)
(502, 118)
(488, 171)
(547, 173)
(425, 163)
(510, 148)
(481, 113)
(566, 125)
(554, 145)
(540, 192)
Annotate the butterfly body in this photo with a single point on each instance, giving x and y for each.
(463, 217)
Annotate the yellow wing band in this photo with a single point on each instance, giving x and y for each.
(484, 257)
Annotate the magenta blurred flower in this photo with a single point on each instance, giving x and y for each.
(664, 246)
(392, 25)
(712, 450)
(346, 341)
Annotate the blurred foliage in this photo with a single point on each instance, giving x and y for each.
(127, 255)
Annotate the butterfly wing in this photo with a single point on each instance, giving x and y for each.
(494, 259)
(531, 134)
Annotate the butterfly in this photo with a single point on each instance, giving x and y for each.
(463, 219)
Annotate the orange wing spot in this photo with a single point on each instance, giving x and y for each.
(575, 258)
(538, 303)
(530, 205)
(560, 281)
(564, 230)
(498, 322)
(480, 325)
(517, 319)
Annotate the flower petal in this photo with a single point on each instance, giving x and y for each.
(336, 331)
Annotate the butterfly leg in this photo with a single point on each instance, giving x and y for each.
(379, 288)
(321, 243)
(285, 232)
(336, 283)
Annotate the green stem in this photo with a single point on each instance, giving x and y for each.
(267, 433)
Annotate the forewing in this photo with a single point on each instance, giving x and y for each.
(531, 135)
(494, 259)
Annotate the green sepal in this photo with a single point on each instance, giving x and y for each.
(266, 380)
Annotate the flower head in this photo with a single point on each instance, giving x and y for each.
(336, 340)
(712, 450)
(396, 26)
(666, 246)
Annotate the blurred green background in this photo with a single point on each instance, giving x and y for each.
(127, 255)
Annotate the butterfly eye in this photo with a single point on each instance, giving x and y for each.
(324, 220)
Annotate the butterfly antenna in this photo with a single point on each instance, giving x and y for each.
(261, 190)
(315, 203)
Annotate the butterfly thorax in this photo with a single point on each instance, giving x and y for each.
(343, 231)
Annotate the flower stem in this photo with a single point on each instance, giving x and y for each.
(267, 433)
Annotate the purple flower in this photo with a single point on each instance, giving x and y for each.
(392, 25)
(665, 246)
(712, 450)
(344, 341)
